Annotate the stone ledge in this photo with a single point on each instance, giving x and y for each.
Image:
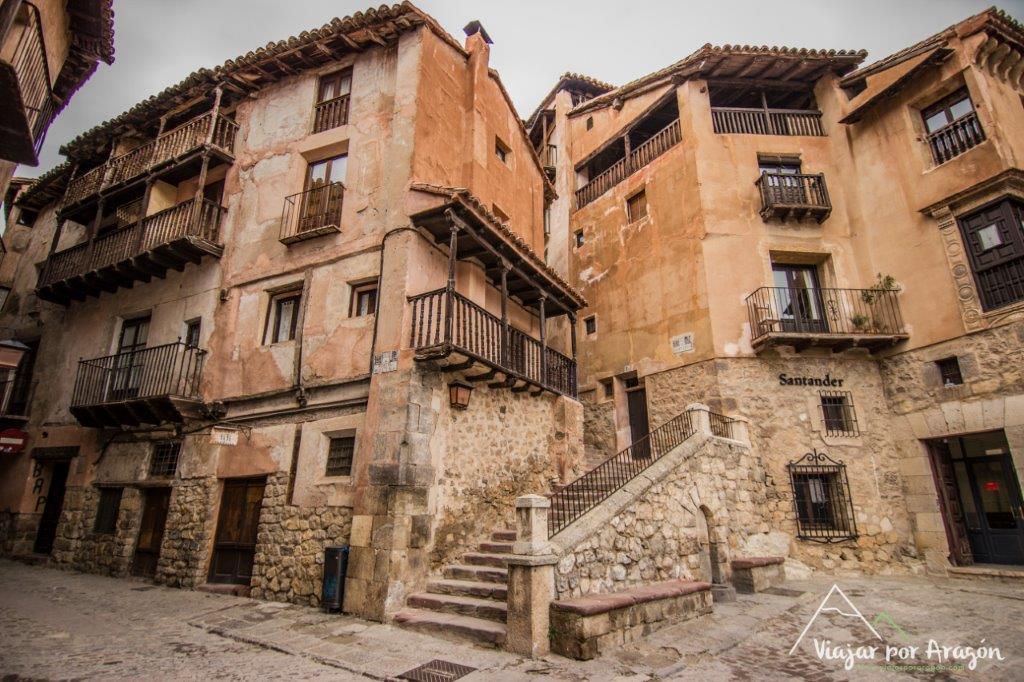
(593, 604)
(757, 574)
(755, 562)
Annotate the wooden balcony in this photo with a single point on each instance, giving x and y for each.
(447, 325)
(26, 96)
(312, 213)
(799, 196)
(169, 149)
(150, 386)
(748, 121)
(835, 318)
(331, 113)
(956, 138)
(549, 158)
(164, 241)
(658, 144)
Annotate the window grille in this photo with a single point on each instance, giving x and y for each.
(838, 413)
(949, 370)
(821, 499)
(164, 461)
(339, 455)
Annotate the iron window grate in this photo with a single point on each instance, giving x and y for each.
(949, 371)
(437, 671)
(838, 413)
(164, 462)
(821, 499)
(339, 455)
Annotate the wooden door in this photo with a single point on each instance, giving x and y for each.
(798, 298)
(235, 543)
(47, 531)
(151, 531)
(636, 400)
(960, 553)
(128, 361)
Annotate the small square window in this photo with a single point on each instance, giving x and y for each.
(364, 300)
(164, 462)
(283, 317)
(607, 388)
(106, 512)
(579, 237)
(949, 371)
(590, 324)
(192, 329)
(989, 237)
(636, 206)
(838, 413)
(340, 450)
(501, 150)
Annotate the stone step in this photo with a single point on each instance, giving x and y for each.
(488, 609)
(486, 559)
(486, 574)
(452, 625)
(468, 588)
(496, 547)
(504, 536)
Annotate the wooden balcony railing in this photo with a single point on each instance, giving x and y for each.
(784, 195)
(170, 145)
(176, 222)
(447, 318)
(956, 138)
(313, 212)
(746, 121)
(658, 144)
(330, 113)
(550, 156)
(147, 386)
(32, 73)
(830, 317)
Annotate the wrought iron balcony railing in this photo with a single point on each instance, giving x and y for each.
(444, 319)
(828, 317)
(658, 144)
(330, 113)
(167, 239)
(312, 213)
(147, 386)
(165, 149)
(745, 121)
(787, 195)
(956, 138)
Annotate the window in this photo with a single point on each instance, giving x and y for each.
(590, 324)
(130, 363)
(952, 126)
(332, 98)
(106, 512)
(340, 450)
(164, 461)
(607, 388)
(994, 240)
(501, 150)
(636, 206)
(949, 372)
(838, 414)
(192, 329)
(283, 317)
(590, 122)
(821, 499)
(364, 300)
(579, 238)
(27, 217)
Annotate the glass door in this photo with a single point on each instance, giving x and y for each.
(321, 203)
(798, 298)
(128, 363)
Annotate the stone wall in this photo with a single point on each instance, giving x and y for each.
(290, 545)
(504, 445)
(661, 534)
(17, 532)
(78, 546)
(188, 535)
(598, 427)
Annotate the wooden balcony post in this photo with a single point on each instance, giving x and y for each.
(629, 150)
(93, 229)
(45, 274)
(453, 248)
(543, 341)
(139, 236)
(504, 313)
(769, 126)
(572, 328)
(217, 94)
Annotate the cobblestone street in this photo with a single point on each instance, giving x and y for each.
(62, 625)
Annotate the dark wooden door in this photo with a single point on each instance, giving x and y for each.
(998, 535)
(128, 361)
(235, 544)
(949, 502)
(636, 401)
(151, 531)
(994, 238)
(47, 531)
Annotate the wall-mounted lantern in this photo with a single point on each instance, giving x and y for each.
(458, 394)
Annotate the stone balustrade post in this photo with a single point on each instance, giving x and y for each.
(700, 418)
(531, 579)
(741, 429)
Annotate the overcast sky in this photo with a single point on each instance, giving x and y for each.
(159, 42)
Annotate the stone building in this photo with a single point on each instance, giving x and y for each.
(48, 49)
(834, 252)
(332, 291)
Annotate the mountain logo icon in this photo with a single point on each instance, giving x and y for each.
(836, 602)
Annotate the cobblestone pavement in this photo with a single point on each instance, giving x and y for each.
(61, 625)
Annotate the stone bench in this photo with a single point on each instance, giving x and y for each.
(756, 574)
(582, 627)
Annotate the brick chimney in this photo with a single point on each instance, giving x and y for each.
(478, 43)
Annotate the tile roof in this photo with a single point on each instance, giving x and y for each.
(563, 80)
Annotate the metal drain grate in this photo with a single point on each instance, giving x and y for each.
(437, 671)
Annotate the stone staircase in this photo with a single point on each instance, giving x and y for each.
(468, 601)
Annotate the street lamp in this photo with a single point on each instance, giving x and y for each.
(458, 394)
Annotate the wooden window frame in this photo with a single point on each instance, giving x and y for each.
(590, 325)
(196, 324)
(272, 325)
(945, 105)
(336, 76)
(1012, 209)
(340, 468)
(502, 151)
(359, 290)
(630, 216)
(108, 509)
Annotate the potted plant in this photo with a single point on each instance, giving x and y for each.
(860, 322)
